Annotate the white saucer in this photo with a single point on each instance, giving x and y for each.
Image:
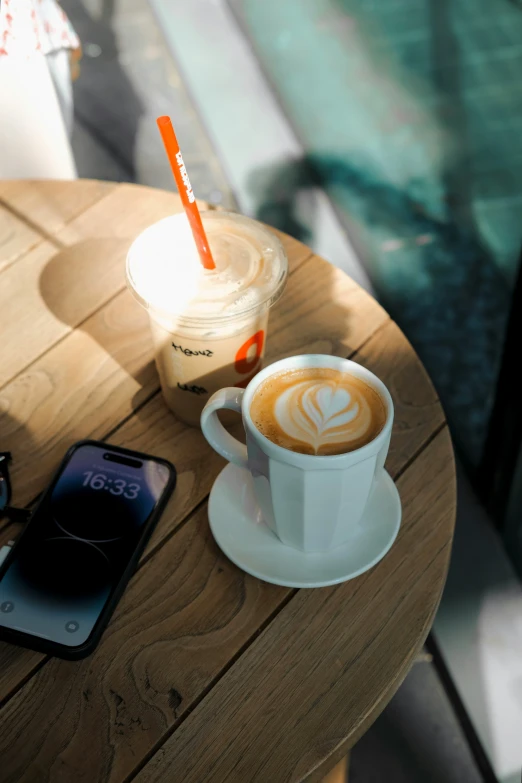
(240, 532)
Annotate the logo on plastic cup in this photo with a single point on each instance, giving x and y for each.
(243, 364)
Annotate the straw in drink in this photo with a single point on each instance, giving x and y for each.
(208, 282)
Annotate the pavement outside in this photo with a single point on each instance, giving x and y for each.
(127, 80)
(128, 77)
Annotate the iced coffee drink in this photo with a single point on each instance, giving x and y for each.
(209, 327)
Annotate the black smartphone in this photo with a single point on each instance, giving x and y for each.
(63, 578)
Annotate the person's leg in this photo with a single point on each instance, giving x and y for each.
(33, 136)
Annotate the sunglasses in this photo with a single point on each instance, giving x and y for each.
(13, 514)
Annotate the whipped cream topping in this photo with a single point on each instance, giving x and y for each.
(163, 267)
(322, 413)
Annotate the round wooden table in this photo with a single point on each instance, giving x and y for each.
(204, 673)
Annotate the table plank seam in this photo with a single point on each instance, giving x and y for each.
(390, 618)
(121, 423)
(151, 396)
(143, 562)
(104, 437)
(23, 681)
(284, 602)
(42, 232)
(419, 451)
(131, 415)
(269, 620)
(38, 229)
(427, 627)
(401, 675)
(281, 606)
(157, 680)
(209, 687)
(371, 336)
(67, 334)
(187, 519)
(29, 249)
(146, 558)
(35, 227)
(90, 315)
(139, 407)
(301, 264)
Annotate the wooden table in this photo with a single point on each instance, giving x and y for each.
(204, 673)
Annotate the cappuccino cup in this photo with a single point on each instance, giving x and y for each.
(318, 430)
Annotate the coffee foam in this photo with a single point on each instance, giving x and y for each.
(318, 411)
(165, 270)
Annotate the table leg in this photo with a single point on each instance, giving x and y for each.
(339, 774)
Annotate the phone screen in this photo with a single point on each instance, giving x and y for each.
(79, 542)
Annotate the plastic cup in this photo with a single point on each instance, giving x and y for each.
(209, 327)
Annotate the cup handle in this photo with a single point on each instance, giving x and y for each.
(221, 440)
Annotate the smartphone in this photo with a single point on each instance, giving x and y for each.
(63, 578)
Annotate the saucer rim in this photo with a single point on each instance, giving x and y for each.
(301, 584)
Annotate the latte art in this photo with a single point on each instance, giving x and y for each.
(322, 414)
(318, 411)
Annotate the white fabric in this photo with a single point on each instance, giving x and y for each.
(36, 102)
(33, 134)
(27, 26)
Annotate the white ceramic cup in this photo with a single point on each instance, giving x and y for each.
(312, 503)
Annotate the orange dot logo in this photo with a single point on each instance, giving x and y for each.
(243, 363)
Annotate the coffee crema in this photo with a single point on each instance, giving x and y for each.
(318, 410)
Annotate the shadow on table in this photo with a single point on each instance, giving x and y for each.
(77, 278)
(75, 282)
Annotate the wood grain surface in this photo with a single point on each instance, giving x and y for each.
(64, 280)
(204, 673)
(84, 384)
(48, 205)
(16, 237)
(28, 214)
(330, 658)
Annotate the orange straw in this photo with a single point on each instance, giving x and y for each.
(185, 190)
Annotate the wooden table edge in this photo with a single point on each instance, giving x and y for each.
(343, 749)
